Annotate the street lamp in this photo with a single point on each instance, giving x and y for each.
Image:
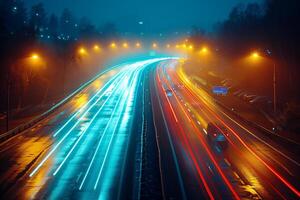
(154, 45)
(255, 56)
(96, 48)
(125, 45)
(82, 51)
(34, 57)
(204, 50)
(138, 45)
(113, 45)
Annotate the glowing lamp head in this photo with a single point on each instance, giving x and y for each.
(204, 49)
(125, 45)
(96, 47)
(154, 45)
(255, 55)
(82, 51)
(34, 56)
(113, 45)
(138, 44)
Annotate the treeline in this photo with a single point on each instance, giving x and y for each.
(18, 22)
(26, 30)
(271, 26)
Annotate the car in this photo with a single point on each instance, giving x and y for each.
(260, 99)
(169, 92)
(249, 97)
(217, 134)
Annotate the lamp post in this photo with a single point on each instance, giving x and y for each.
(274, 89)
(32, 58)
(7, 98)
(255, 56)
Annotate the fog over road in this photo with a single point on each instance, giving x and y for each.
(138, 131)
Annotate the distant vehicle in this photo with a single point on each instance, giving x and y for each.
(260, 101)
(169, 92)
(249, 97)
(216, 134)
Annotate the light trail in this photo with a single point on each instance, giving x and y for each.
(133, 66)
(66, 135)
(83, 107)
(283, 180)
(175, 117)
(184, 80)
(192, 156)
(171, 145)
(207, 149)
(100, 141)
(125, 96)
(85, 130)
(240, 153)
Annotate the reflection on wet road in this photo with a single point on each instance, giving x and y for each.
(78, 152)
(251, 166)
(139, 124)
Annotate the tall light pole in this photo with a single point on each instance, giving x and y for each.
(7, 98)
(33, 58)
(255, 56)
(274, 89)
(274, 84)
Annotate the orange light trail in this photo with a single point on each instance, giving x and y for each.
(210, 155)
(291, 187)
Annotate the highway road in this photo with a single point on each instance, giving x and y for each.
(251, 167)
(82, 150)
(138, 131)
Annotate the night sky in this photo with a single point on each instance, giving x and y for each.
(148, 16)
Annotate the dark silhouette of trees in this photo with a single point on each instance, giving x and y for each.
(23, 31)
(68, 25)
(38, 20)
(86, 29)
(13, 17)
(109, 31)
(53, 27)
(272, 25)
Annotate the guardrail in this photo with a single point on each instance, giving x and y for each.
(19, 129)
